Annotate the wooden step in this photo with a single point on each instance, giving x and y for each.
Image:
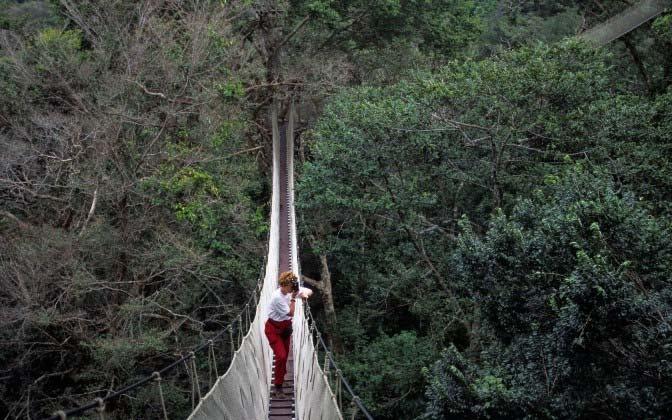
(282, 403)
(282, 412)
(288, 391)
(288, 380)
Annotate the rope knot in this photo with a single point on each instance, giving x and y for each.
(156, 376)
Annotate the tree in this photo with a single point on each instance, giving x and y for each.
(393, 169)
(132, 215)
(574, 293)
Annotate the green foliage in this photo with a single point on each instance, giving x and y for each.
(476, 191)
(634, 135)
(148, 402)
(454, 391)
(523, 24)
(197, 197)
(394, 168)
(27, 15)
(573, 289)
(57, 49)
(54, 39)
(128, 216)
(232, 89)
(117, 354)
(226, 133)
(662, 27)
(388, 367)
(437, 26)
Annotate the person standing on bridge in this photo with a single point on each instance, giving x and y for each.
(278, 327)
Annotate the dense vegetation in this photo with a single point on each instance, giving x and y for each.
(484, 200)
(132, 226)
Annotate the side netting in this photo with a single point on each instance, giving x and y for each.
(314, 397)
(243, 391)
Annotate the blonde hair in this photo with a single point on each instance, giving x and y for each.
(286, 278)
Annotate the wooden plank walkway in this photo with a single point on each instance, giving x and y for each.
(281, 409)
(284, 409)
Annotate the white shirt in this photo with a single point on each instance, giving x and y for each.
(278, 309)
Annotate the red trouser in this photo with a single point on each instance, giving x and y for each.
(280, 344)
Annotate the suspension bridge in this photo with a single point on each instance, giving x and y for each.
(314, 386)
(628, 20)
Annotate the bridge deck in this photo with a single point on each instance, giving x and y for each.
(281, 409)
(284, 409)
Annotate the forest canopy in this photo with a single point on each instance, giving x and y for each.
(483, 198)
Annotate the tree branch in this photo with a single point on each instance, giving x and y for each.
(91, 211)
(147, 91)
(15, 219)
(312, 282)
(294, 31)
(632, 49)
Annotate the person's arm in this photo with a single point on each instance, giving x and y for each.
(292, 304)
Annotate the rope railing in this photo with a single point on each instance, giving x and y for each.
(335, 375)
(235, 330)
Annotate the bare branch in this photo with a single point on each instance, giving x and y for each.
(91, 211)
(147, 91)
(294, 31)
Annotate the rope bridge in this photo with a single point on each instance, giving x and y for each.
(317, 387)
(314, 383)
(626, 21)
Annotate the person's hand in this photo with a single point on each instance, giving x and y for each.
(305, 293)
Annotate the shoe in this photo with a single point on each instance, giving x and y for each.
(277, 393)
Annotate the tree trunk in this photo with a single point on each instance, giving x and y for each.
(328, 302)
(456, 209)
(324, 286)
(638, 62)
(473, 326)
(494, 176)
